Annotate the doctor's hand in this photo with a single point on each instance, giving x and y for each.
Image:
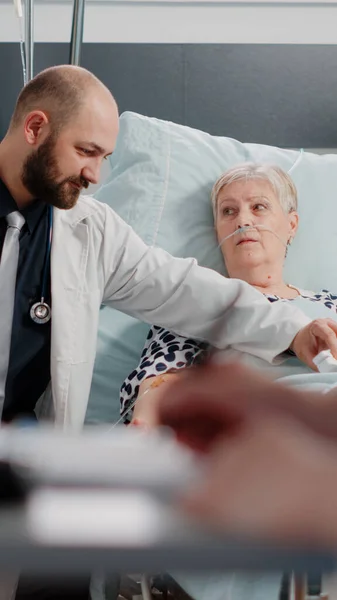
(318, 335)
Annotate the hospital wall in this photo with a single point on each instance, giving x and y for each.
(175, 22)
(188, 61)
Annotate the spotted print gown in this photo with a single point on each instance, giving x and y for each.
(165, 350)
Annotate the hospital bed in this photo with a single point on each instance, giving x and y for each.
(277, 100)
(50, 481)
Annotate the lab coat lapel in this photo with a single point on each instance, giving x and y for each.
(69, 256)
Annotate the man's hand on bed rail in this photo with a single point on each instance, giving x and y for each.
(318, 335)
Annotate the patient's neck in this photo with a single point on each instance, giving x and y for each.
(267, 280)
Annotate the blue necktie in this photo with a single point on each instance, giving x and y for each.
(8, 270)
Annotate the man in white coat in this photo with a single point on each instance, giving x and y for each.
(64, 125)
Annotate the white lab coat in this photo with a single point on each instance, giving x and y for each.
(97, 258)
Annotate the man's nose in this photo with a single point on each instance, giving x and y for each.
(92, 173)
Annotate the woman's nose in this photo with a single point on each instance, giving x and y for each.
(242, 224)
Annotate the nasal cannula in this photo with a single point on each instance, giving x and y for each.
(252, 228)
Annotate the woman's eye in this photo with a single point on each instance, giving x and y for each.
(260, 207)
(85, 151)
(227, 211)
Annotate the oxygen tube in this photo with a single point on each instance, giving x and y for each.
(252, 228)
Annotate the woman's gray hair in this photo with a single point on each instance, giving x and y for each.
(283, 186)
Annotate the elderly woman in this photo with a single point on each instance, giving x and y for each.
(255, 215)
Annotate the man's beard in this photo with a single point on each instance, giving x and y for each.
(40, 173)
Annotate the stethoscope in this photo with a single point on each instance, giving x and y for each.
(40, 312)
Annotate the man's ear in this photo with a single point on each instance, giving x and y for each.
(35, 127)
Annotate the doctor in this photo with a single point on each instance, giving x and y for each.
(64, 254)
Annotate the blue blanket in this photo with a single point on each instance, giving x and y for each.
(292, 371)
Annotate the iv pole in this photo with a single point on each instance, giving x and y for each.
(77, 32)
(29, 38)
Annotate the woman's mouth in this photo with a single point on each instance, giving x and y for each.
(246, 241)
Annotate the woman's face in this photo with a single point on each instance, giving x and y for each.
(252, 202)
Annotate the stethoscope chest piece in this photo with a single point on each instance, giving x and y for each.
(40, 312)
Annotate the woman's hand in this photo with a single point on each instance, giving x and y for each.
(145, 412)
(318, 335)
